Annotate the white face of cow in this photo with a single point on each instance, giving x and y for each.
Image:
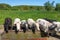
(30, 21)
(18, 26)
(17, 22)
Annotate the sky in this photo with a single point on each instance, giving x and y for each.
(27, 2)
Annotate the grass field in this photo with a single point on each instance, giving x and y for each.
(28, 14)
(25, 15)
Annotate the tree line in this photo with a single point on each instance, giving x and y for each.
(47, 6)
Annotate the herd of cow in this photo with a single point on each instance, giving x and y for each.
(44, 26)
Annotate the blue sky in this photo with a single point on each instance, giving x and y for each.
(27, 2)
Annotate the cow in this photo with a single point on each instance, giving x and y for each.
(7, 24)
(45, 26)
(17, 25)
(24, 25)
(31, 25)
(54, 26)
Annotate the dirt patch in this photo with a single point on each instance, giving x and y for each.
(25, 36)
(53, 38)
(22, 36)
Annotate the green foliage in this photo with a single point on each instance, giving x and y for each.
(49, 6)
(25, 7)
(21, 7)
(4, 6)
(57, 7)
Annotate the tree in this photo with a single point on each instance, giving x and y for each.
(57, 7)
(4, 6)
(48, 6)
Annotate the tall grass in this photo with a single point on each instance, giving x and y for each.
(28, 14)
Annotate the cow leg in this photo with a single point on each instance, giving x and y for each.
(6, 28)
(24, 30)
(9, 27)
(33, 30)
(15, 28)
(16, 31)
(43, 34)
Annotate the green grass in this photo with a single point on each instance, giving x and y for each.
(28, 14)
